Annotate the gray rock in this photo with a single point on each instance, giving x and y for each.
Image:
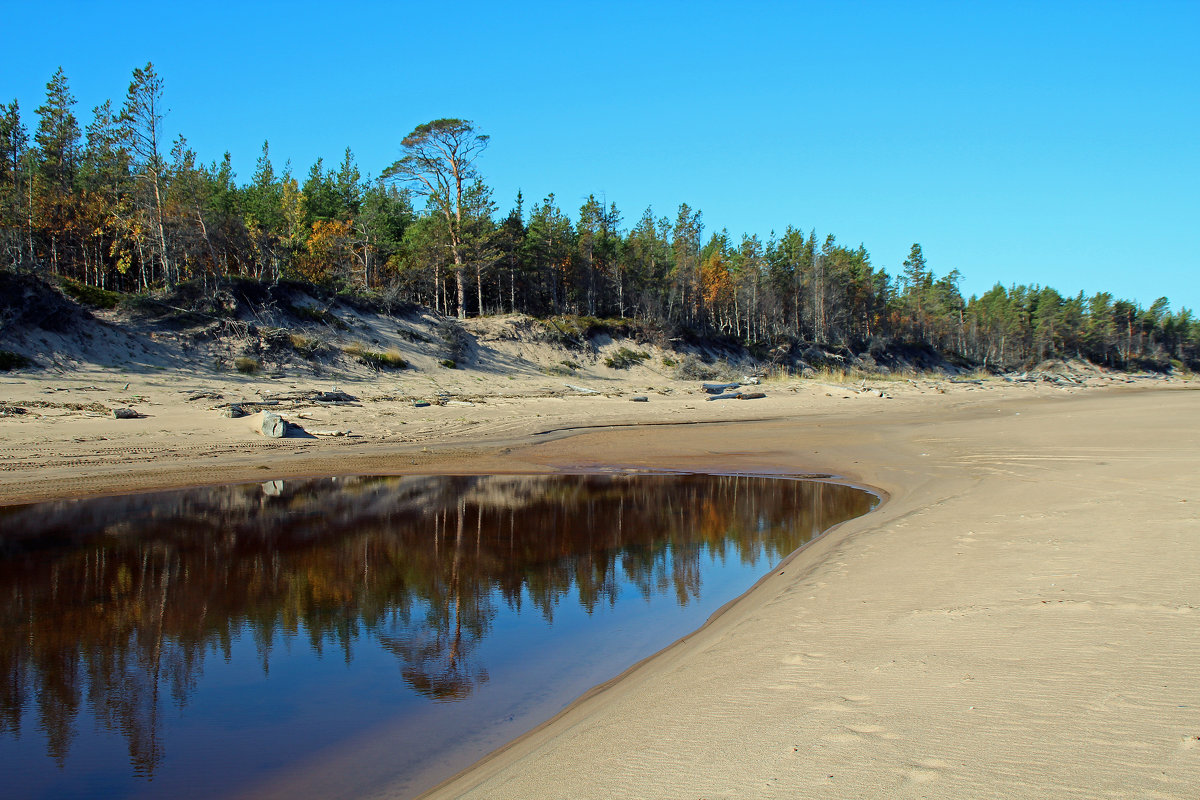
(125, 413)
(273, 425)
(639, 398)
(234, 411)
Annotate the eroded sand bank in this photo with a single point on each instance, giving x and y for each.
(1020, 619)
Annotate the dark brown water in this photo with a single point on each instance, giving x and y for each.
(223, 641)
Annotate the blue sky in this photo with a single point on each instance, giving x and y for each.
(1051, 143)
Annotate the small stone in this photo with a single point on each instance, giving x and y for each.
(234, 411)
(125, 413)
(639, 398)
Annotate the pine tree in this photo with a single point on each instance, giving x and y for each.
(142, 118)
(58, 143)
(15, 221)
(439, 163)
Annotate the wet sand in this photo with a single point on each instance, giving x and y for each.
(1019, 619)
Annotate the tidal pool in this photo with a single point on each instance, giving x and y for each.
(328, 637)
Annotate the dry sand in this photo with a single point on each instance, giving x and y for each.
(1021, 618)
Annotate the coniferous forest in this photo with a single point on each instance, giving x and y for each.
(110, 204)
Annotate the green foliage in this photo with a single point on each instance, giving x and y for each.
(319, 315)
(308, 347)
(625, 358)
(247, 365)
(10, 361)
(388, 360)
(573, 331)
(375, 359)
(89, 295)
(448, 363)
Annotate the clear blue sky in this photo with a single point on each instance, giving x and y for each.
(1044, 142)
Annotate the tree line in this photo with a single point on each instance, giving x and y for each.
(112, 205)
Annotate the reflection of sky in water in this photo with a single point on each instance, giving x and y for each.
(251, 713)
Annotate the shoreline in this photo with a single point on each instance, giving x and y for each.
(499, 754)
(574, 754)
(1018, 618)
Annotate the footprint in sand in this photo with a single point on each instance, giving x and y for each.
(918, 775)
(872, 732)
(859, 734)
(925, 771)
(800, 659)
(845, 704)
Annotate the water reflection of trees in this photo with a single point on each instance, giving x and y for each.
(116, 602)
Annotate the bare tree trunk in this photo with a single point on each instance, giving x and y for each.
(620, 294)
(460, 287)
(479, 288)
(162, 236)
(212, 253)
(437, 287)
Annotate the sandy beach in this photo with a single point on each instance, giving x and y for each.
(1018, 619)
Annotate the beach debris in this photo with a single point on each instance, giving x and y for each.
(204, 396)
(330, 433)
(718, 388)
(422, 404)
(273, 425)
(458, 403)
(582, 389)
(125, 413)
(336, 396)
(750, 380)
(639, 398)
(234, 411)
(737, 396)
(333, 396)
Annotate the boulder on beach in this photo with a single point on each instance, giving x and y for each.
(273, 425)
